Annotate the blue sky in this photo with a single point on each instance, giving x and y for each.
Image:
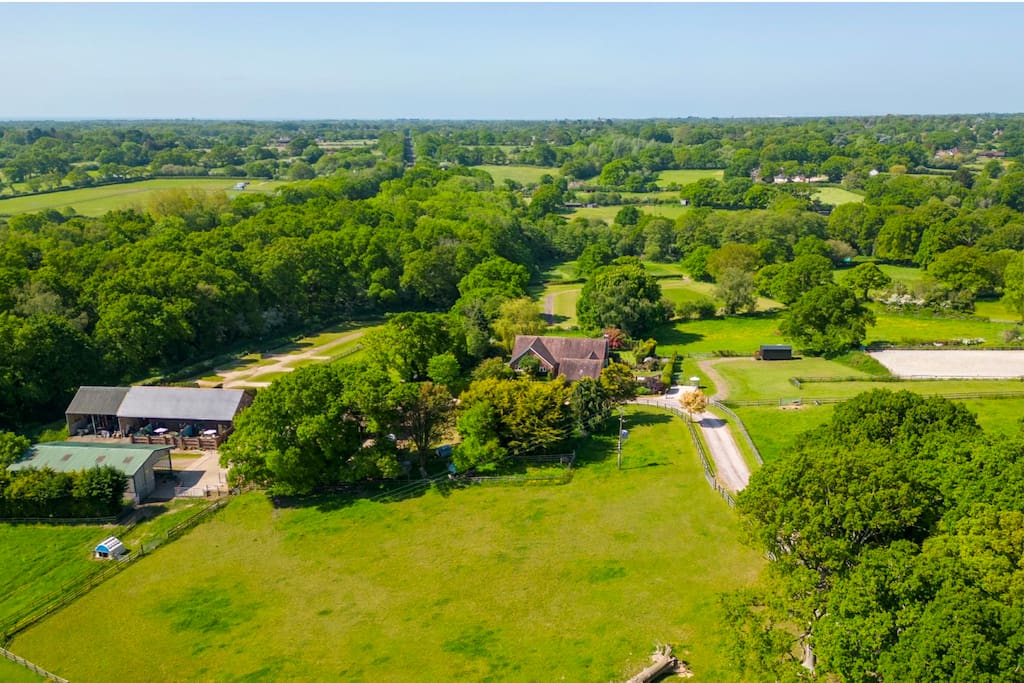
(495, 61)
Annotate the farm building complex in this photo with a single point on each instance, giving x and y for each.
(568, 357)
(135, 460)
(179, 416)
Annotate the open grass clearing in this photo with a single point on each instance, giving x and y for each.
(524, 175)
(687, 175)
(96, 201)
(488, 583)
(908, 275)
(608, 213)
(996, 310)
(836, 196)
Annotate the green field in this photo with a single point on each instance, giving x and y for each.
(39, 559)
(908, 275)
(836, 196)
(96, 201)
(15, 673)
(524, 175)
(608, 213)
(687, 176)
(544, 583)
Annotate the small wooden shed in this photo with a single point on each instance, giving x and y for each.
(776, 352)
(109, 549)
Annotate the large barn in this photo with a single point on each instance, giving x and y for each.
(162, 413)
(136, 461)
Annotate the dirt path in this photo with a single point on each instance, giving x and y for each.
(241, 378)
(549, 309)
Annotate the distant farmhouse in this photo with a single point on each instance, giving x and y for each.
(135, 461)
(568, 357)
(173, 416)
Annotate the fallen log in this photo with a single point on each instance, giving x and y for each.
(664, 663)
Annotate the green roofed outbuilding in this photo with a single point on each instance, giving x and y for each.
(137, 461)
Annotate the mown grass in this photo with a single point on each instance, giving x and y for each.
(524, 175)
(687, 176)
(608, 213)
(574, 582)
(39, 559)
(836, 196)
(96, 201)
(775, 430)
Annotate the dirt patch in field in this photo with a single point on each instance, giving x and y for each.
(953, 364)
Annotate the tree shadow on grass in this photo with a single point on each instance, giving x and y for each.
(340, 497)
(673, 336)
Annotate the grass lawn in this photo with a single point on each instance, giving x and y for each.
(925, 327)
(741, 334)
(15, 673)
(563, 303)
(836, 196)
(524, 175)
(39, 559)
(774, 430)
(687, 176)
(608, 213)
(541, 583)
(96, 201)
(908, 275)
(566, 270)
(995, 309)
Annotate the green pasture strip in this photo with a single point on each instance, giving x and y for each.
(752, 380)
(774, 429)
(908, 275)
(16, 673)
(524, 175)
(687, 176)
(96, 201)
(608, 213)
(836, 196)
(908, 328)
(38, 559)
(997, 311)
(742, 334)
(483, 583)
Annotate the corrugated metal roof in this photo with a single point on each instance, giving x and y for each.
(74, 456)
(96, 401)
(181, 403)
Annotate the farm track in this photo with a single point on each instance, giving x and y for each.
(242, 378)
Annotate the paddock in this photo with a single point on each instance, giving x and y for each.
(952, 364)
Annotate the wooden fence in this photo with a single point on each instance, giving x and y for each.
(743, 429)
(71, 592)
(954, 396)
(31, 667)
(709, 473)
